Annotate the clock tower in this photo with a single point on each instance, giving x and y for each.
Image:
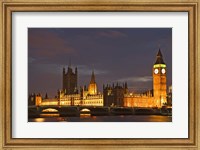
(159, 81)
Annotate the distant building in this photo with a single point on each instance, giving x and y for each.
(31, 99)
(114, 95)
(169, 96)
(34, 99)
(38, 100)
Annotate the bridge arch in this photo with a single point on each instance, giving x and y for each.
(51, 110)
(85, 112)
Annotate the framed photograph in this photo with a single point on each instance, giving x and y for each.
(111, 75)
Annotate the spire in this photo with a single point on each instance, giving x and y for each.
(92, 77)
(76, 71)
(159, 54)
(159, 58)
(126, 86)
(63, 70)
(69, 62)
(69, 70)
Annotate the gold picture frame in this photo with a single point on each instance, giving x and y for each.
(9, 6)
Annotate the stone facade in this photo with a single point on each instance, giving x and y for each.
(114, 95)
(70, 80)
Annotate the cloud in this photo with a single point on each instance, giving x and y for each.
(138, 84)
(57, 69)
(48, 68)
(45, 44)
(31, 60)
(85, 70)
(111, 34)
(136, 79)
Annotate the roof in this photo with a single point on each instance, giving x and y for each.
(92, 78)
(159, 58)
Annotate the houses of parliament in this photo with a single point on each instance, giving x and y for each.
(113, 95)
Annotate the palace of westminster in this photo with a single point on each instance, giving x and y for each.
(113, 95)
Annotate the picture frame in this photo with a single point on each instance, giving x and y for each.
(8, 7)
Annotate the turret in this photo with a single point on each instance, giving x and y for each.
(92, 81)
(92, 89)
(70, 80)
(126, 85)
(76, 71)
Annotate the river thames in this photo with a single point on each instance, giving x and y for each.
(121, 118)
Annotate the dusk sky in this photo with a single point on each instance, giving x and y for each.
(116, 55)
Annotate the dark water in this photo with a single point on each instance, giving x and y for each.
(122, 118)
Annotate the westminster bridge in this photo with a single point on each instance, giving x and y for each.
(76, 111)
(66, 110)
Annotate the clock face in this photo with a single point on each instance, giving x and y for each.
(156, 71)
(163, 71)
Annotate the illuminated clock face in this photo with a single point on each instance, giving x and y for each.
(156, 71)
(163, 71)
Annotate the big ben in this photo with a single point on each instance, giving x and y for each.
(159, 81)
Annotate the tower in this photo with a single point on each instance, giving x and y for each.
(92, 89)
(70, 81)
(159, 81)
(114, 94)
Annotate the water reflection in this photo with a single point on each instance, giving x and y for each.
(39, 119)
(49, 115)
(85, 115)
(121, 118)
